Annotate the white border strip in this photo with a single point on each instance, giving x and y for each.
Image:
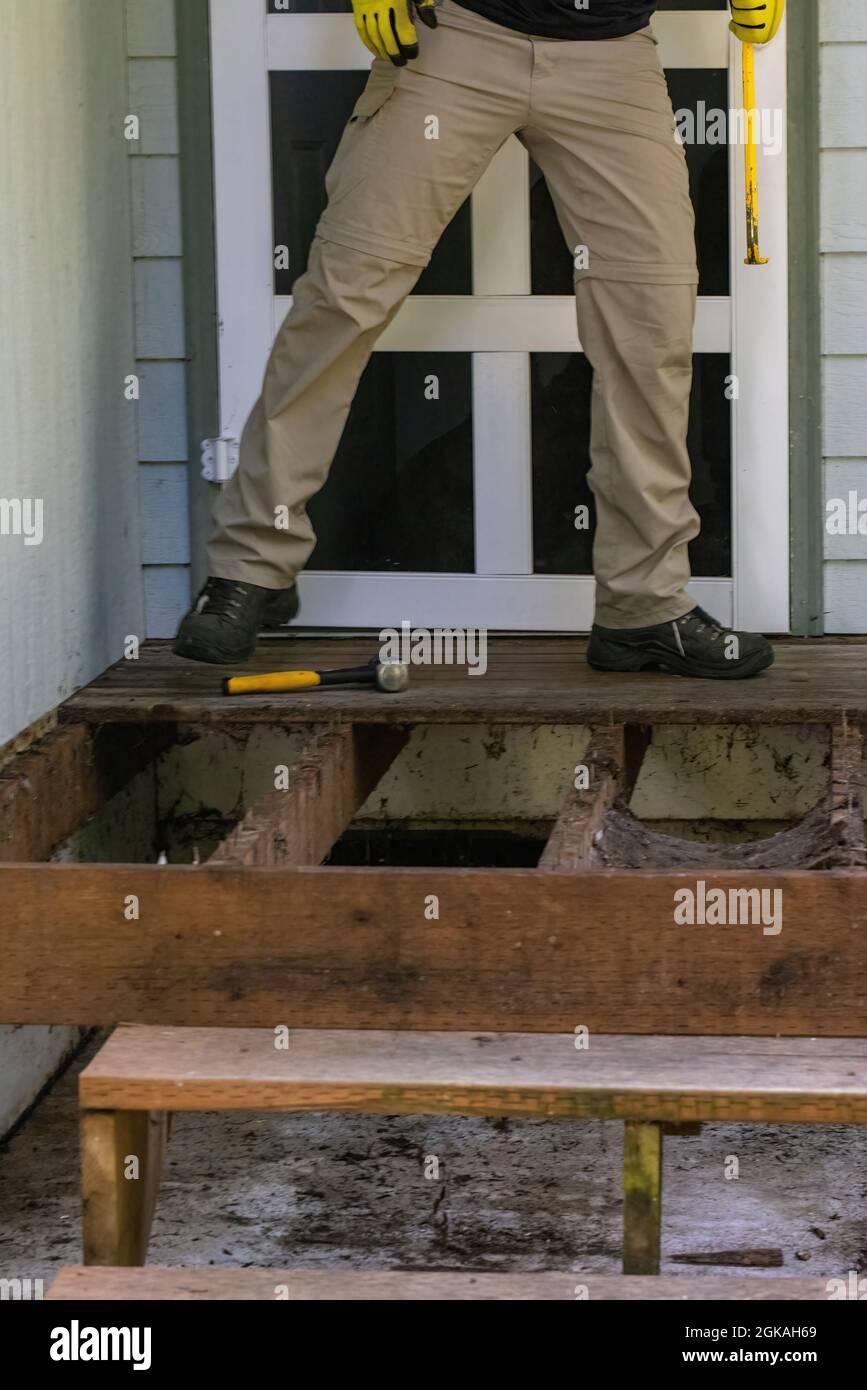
(521, 603)
(501, 224)
(243, 204)
(503, 454)
(760, 421)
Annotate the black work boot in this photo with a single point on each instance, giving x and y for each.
(282, 607)
(224, 622)
(694, 645)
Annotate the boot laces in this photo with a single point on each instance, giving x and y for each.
(704, 621)
(221, 598)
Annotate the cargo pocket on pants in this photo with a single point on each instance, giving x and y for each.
(380, 87)
(363, 188)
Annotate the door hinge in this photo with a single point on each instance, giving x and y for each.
(219, 459)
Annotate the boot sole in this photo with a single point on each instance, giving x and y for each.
(192, 651)
(677, 666)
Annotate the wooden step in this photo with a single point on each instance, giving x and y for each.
(782, 1080)
(154, 1284)
(651, 1083)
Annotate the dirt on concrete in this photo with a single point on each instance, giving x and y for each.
(345, 1191)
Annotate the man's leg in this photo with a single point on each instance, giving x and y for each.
(638, 338)
(342, 304)
(603, 134)
(602, 130)
(419, 140)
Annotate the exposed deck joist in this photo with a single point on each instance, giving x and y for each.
(327, 785)
(50, 791)
(612, 762)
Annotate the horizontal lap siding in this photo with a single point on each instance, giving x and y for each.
(67, 431)
(159, 305)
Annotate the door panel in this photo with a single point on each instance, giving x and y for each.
(560, 386)
(400, 493)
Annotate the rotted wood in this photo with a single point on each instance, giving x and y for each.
(328, 784)
(830, 836)
(612, 762)
(122, 1156)
(625, 842)
(642, 1197)
(53, 788)
(847, 803)
(358, 948)
(761, 1257)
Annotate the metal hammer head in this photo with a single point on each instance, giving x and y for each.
(392, 676)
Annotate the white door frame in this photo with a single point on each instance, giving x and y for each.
(501, 324)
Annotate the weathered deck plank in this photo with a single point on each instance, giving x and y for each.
(529, 680)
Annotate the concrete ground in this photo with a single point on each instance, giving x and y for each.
(353, 1191)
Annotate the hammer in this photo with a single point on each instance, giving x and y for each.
(390, 676)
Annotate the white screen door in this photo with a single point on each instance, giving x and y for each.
(464, 513)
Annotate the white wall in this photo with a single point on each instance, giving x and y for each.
(67, 433)
(843, 58)
(157, 248)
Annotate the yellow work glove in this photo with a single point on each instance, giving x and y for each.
(756, 21)
(386, 28)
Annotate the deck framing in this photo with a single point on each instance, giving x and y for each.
(268, 935)
(269, 930)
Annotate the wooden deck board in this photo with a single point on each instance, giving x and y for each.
(153, 1284)
(820, 1080)
(529, 680)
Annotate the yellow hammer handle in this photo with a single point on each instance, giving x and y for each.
(274, 681)
(754, 255)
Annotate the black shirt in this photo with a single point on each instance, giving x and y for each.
(559, 19)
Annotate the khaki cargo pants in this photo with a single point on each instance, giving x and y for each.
(597, 119)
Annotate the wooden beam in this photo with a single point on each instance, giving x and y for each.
(463, 949)
(847, 787)
(642, 1197)
(122, 1154)
(52, 789)
(327, 785)
(612, 763)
